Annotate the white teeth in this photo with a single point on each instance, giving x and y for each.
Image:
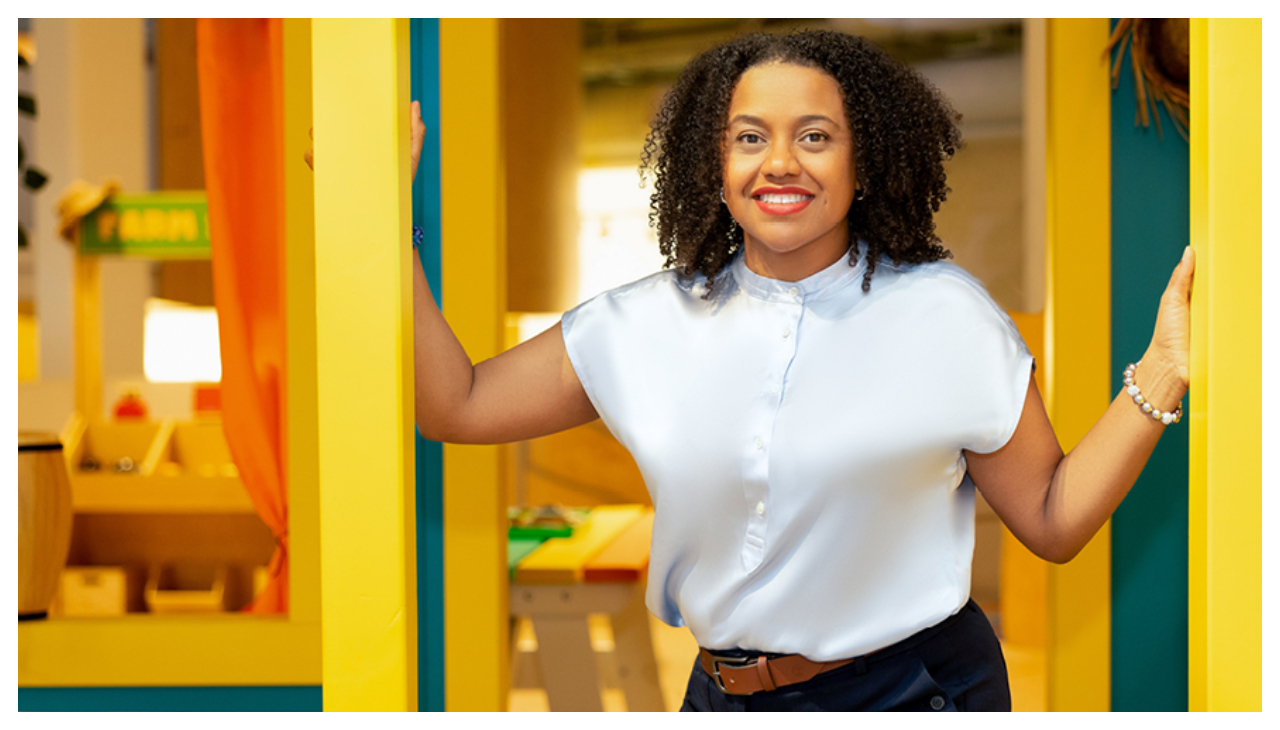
(782, 199)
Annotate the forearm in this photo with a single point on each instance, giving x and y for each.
(443, 373)
(1093, 478)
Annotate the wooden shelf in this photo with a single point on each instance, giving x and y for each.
(187, 448)
(137, 494)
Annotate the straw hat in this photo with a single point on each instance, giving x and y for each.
(79, 200)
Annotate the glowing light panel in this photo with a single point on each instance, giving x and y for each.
(180, 343)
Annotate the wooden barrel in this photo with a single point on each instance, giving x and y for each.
(44, 522)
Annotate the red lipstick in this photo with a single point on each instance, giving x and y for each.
(781, 201)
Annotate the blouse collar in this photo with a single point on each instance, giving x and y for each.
(816, 286)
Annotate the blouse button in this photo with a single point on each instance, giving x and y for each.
(759, 443)
(786, 332)
(760, 508)
(795, 291)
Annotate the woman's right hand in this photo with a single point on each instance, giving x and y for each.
(417, 133)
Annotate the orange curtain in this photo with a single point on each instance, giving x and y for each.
(241, 113)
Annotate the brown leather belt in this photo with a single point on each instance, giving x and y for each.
(748, 675)
(737, 675)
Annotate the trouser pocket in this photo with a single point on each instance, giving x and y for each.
(919, 691)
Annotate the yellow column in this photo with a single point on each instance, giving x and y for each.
(302, 460)
(1225, 532)
(473, 256)
(1078, 341)
(364, 379)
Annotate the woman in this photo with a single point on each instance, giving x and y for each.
(811, 393)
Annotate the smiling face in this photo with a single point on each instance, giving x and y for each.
(789, 170)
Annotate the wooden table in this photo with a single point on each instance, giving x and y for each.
(600, 569)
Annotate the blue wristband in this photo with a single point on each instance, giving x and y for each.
(417, 236)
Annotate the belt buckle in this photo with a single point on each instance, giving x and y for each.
(728, 661)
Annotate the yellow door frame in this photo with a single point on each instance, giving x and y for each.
(364, 363)
(1225, 470)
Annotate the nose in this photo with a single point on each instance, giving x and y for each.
(781, 162)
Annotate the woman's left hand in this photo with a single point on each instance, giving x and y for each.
(1171, 343)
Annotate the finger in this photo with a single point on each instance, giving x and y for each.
(419, 127)
(1180, 274)
(1191, 277)
(1186, 271)
(309, 158)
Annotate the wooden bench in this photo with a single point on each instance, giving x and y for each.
(600, 569)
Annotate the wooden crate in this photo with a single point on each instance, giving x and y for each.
(186, 589)
(92, 591)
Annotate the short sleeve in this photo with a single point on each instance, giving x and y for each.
(610, 341)
(989, 364)
(586, 330)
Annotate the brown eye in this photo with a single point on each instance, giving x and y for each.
(750, 138)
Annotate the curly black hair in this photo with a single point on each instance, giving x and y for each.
(903, 132)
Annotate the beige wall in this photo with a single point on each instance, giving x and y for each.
(981, 222)
(91, 87)
(615, 122)
(542, 103)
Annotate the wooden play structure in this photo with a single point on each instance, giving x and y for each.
(403, 581)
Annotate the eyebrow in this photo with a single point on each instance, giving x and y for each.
(806, 119)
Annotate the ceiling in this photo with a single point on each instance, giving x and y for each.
(634, 51)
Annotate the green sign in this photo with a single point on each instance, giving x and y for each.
(161, 225)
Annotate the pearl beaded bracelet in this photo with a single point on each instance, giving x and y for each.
(1164, 417)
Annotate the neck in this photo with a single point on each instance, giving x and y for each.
(795, 265)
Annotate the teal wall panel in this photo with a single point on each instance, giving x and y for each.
(170, 699)
(1150, 226)
(425, 40)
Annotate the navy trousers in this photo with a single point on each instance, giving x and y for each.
(956, 665)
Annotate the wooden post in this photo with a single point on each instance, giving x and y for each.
(473, 255)
(302, 455)
(1078, 341)
(364, 352)
(1225, 471)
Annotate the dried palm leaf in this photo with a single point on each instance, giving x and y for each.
(1159, 50)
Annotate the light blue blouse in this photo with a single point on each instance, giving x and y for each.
(802, 444)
